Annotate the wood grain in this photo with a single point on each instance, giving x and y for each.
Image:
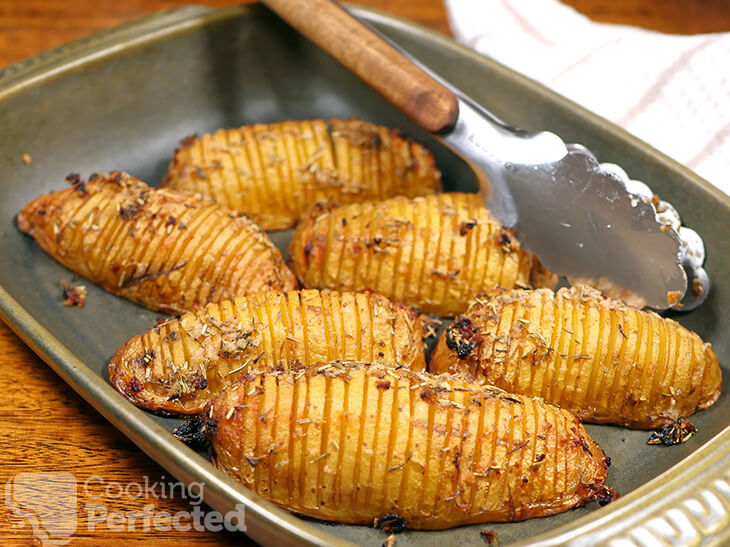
(673, 16)
(45, 425)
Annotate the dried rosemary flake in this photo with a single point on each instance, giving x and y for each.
(238, 369)
(320, 457)
(452, 498)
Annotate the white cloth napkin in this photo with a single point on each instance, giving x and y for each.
(671, 91)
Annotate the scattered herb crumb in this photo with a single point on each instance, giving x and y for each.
(490, 536)
(391, 523)
(606, 495)
(73, 296)
(195, 431)
(677, 432)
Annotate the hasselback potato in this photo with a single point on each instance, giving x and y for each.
(598, 358)
(166, 250)
(274, 172)
(177, 366)
(434, 253)
(353, 442)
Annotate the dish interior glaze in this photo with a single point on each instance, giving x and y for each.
(124, 99)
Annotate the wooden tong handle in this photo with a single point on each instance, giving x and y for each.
(324, 22)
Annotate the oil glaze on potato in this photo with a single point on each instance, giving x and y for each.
(434, 253)
(353, 442)
(166, 250)
(177, 366)
(602, 360)
(275, 172)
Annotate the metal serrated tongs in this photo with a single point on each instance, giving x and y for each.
(584, 220)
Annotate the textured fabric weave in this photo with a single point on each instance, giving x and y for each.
(671, 91)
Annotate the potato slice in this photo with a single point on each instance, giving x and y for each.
(275, 172)
(597, 357)
(434, 253)
(352, 442)
(166, 250)
(177, 366)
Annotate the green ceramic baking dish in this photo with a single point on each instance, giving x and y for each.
(123, 98)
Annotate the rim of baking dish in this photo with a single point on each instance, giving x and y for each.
(688, 503)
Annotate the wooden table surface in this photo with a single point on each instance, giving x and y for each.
(47, 427)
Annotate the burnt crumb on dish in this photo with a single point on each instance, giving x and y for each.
(195, 431)
(489, 536)
(462, 336)
(391, 523)
(74, 296)
(676, 432)
(606, 495)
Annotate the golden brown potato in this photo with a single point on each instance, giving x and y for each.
(353, 442)
(274, 172)
(177, 366)
(434, 253)
(167, 250)
(598, 358)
